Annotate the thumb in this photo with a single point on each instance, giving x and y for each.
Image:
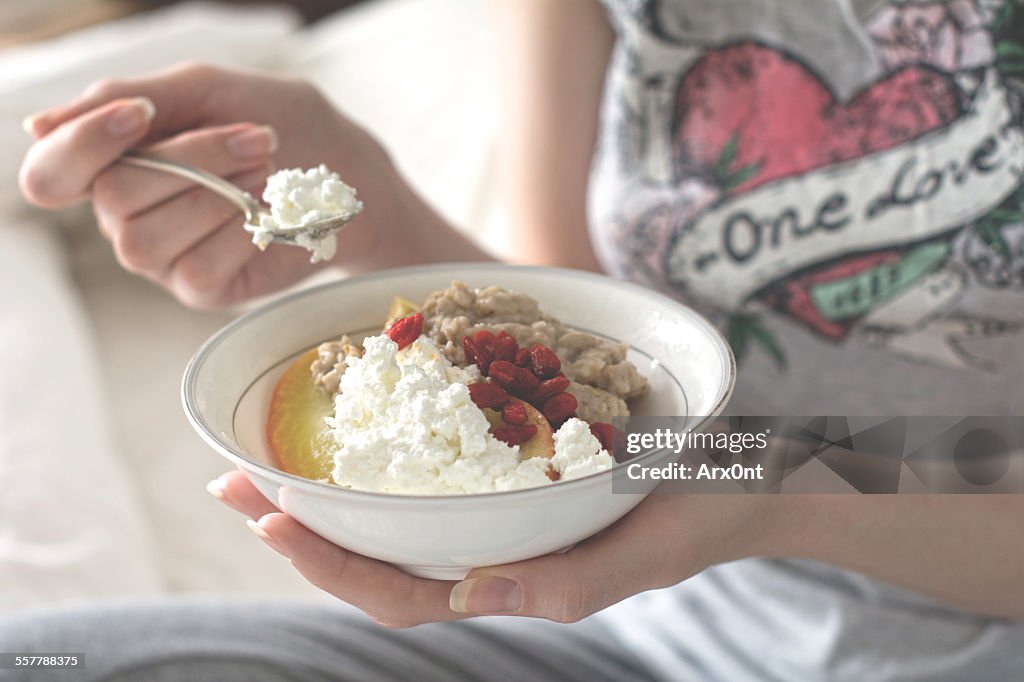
(563, 588)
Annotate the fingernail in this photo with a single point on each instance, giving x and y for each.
(131, 117)
(254, 143)
(216, 488)
(263, 535)
(28, 124)
(485, 595)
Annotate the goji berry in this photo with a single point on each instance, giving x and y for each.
(523, 357)
(559, 407)
(516, 380)
(470, 348)
(484, 339)
(514, 434)
(543, 361)
(476, 355)
(514, 412)
(505, 347)
(550, 387)
(605, 435)
(406, 330)
(485, 394)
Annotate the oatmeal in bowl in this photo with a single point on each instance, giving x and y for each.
(447, 417)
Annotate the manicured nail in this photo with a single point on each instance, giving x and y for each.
(131, 116)
(28, 124)
(486, 595)
(254, 143)
(216, 488)
(256, 528)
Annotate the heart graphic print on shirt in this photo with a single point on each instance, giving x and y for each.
(783, 121)
(780, 120)
(866, 216)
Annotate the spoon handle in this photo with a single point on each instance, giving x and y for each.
(229, 191)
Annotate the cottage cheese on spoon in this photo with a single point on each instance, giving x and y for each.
(299, 198)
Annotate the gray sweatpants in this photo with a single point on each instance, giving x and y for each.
(218, 640)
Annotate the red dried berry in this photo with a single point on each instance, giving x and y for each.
(476, 355)
(543, 361)
(514, 434)
(406, 330)
(484, 339)
(503, 371)
(484, 359)
(470, 348)
(605, 435)
(552, 473)
(514, 413)
(485, 394)
(559, 407)
(516, 380)
(505, 347)
(523, 357)
(550, 387)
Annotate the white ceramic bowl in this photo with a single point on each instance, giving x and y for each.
(227, 387)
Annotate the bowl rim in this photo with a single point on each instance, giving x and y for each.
(208, 434)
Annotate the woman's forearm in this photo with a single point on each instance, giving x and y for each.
(967, 550)
(552, 60)
(422, 235)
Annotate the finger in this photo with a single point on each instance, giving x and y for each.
(59, 169)
(177, 92)
(225, 268)
(264, 274)
(202, 276)
(151, 241)
(388, 595)
(235, 490)
(568, 587)
(124, 191)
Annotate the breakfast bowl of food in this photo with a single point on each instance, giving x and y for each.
(448, 417)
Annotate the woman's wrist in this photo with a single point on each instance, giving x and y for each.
(400, 228)
(744, 526)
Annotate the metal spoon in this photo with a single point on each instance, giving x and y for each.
(252, 208)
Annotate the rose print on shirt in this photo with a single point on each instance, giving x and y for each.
(951, 36)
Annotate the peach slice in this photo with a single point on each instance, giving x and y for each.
(295, 424)
(400, 307)
(542, 444)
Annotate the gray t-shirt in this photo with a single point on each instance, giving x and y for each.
(838, 184)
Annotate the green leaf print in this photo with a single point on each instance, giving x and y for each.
(727, 156)
(737, 178)
(991, 235)
(1009, 50)
(990, 227)
(769, 344)
(1003, 18)
(737, 333)
(724, 175)
(1007, 33)
(741, 329)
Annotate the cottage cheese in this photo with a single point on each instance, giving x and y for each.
(298, 198)
(404, 423)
